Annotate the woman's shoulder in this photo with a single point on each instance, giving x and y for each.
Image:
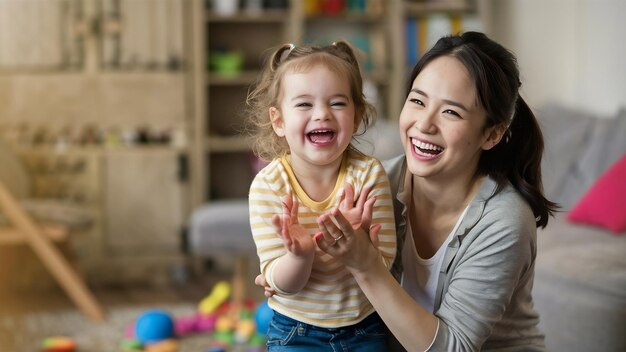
(505, 209)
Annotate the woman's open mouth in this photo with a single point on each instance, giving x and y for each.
(426, 150)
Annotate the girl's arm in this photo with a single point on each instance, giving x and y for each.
(290, 273)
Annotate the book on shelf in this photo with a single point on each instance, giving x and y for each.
(421, 33)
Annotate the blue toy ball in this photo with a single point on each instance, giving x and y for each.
(153, 326)
(262, 317)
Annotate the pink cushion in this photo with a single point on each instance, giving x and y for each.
(604, 204)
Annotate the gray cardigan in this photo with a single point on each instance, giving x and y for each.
(483, 298)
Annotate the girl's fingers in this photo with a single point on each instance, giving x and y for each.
(277, 224)
(326, 226)
(348, 194)
(363, 197)
(294, 210)
(368, 210)
(285, 233)
(344, 225)
(374, 230)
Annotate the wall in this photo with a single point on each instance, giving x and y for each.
(570, 51)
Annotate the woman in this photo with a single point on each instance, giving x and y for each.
(468, 200)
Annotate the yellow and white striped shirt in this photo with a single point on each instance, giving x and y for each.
(331, 298)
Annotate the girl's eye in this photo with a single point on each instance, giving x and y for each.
(303, 105)
(338, 103)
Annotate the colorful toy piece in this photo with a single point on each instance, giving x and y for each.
(262, 316)
(58, 344)
(169, 345)
(154, 326)
(219, 294)
(131, 345)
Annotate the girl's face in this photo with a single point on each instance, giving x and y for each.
(442, 123)
(316, 116)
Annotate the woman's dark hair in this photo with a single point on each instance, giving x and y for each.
(494, 70)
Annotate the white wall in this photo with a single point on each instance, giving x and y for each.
(570, 51)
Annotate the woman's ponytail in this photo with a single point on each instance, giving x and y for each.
(524, 144)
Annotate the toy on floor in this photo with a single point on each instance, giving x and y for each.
(235, 322)
(58, 344)
(219, 294)
(154, 326)
(262, 317)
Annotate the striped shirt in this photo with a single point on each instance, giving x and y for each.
(331, 298)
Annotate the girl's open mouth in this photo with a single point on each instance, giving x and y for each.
(321, 136)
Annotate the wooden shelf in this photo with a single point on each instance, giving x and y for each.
(221, 144)
(275, 16)
(426, 8)
(244, 78)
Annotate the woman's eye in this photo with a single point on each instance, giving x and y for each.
(416, 101)
(451, 112)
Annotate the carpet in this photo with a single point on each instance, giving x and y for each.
(25, 333)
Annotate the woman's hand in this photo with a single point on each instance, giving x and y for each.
(295, 237)
(355, 248)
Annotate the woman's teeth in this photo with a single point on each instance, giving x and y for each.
(426, 148)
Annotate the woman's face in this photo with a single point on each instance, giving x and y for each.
(442, 123)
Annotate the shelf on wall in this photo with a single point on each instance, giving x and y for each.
(243, 78)
(221, 144)
(426, 8)
(274, 16)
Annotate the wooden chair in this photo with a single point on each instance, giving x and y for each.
(23, 229)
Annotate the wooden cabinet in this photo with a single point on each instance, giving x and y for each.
(222, 163)
(136, 199)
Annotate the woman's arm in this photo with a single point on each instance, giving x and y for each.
(411, 324)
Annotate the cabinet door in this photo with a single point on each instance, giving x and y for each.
(41, 35)
(143, 202)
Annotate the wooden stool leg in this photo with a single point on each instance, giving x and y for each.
(51, 257)
(239, 284)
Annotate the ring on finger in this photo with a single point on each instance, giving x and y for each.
(337, 239)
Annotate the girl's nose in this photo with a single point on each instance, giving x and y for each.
(321, 113)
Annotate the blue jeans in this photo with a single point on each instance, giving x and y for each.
(286, 334)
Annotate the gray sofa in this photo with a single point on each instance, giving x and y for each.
(580, 273)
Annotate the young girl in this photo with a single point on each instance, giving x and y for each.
(306, 108)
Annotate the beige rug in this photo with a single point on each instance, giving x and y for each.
(26, 333)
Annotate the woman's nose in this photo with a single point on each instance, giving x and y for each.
(425, 123)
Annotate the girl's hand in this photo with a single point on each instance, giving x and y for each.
(295, 237)
(359, 212)
(259, 280)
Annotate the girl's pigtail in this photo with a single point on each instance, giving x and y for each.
(280, 55)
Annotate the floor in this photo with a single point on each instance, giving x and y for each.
(16, 305)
